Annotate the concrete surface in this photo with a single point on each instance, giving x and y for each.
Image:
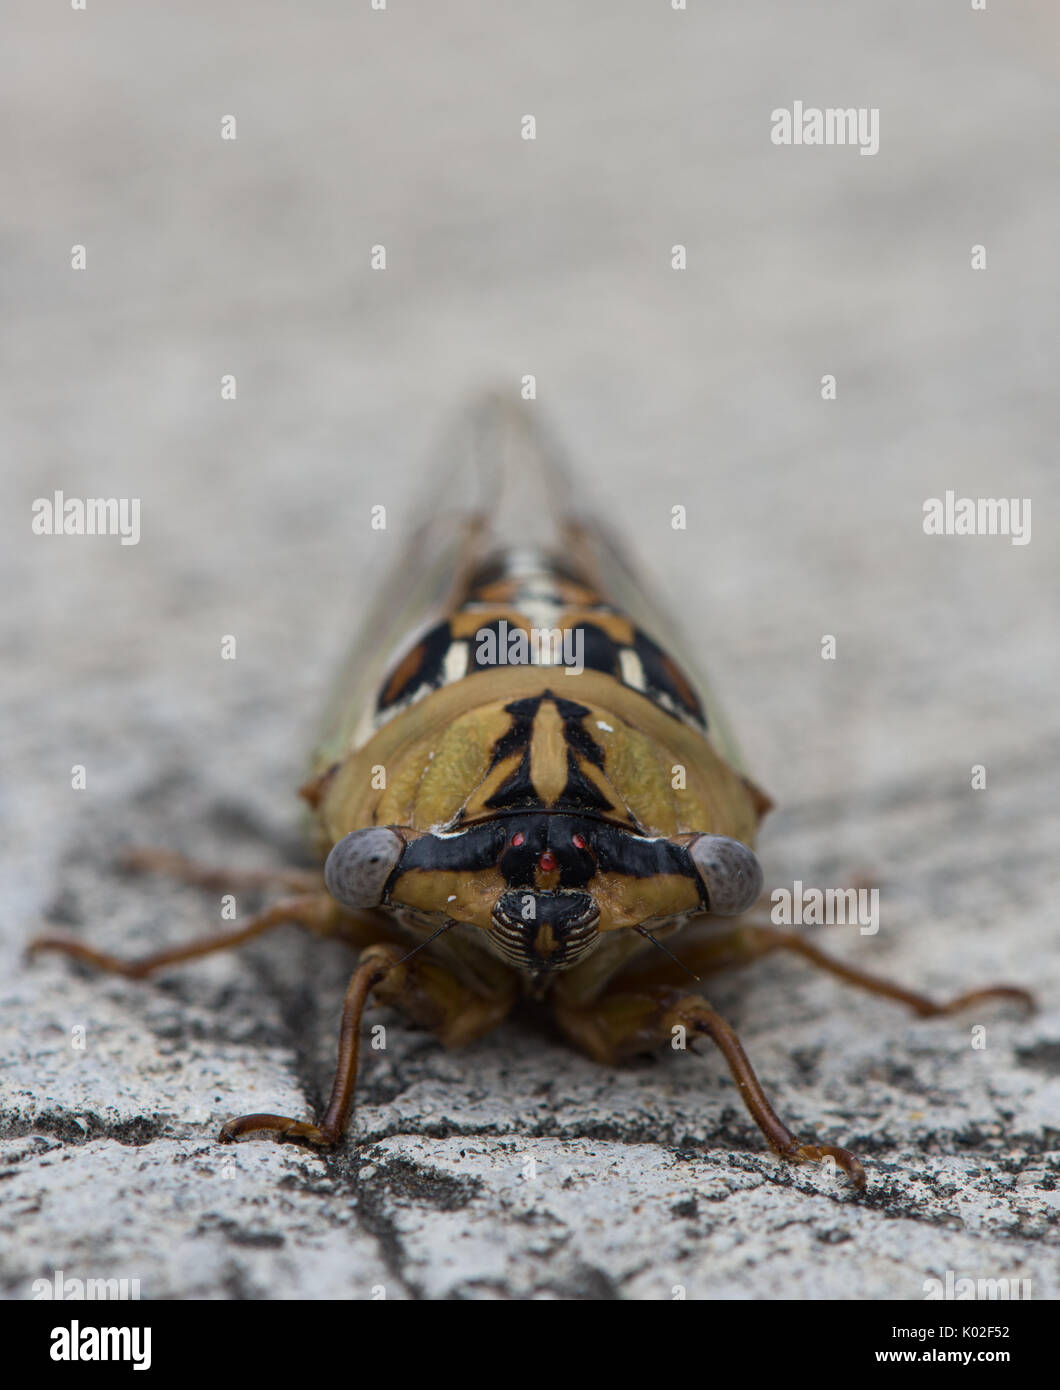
(517, 1169)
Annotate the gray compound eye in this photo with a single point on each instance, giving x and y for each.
(358, 867)
(730, 872)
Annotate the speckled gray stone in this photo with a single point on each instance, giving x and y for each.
(517, 1169)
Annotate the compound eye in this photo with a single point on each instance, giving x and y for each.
(358, 867)
(578, 841)
(730, 872)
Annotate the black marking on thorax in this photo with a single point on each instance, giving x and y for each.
(518, 789)
(582, 845)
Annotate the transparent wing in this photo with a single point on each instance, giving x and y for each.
(611, 571)
(492, 490)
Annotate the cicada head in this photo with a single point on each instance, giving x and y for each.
(544, 887)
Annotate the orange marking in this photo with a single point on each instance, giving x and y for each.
(618, 628)
(680, 681)
(405, 670)
(468, 621)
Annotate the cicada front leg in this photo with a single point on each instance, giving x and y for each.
(628, 1020)
(426, 992)
(642, 1006)
(336, 1116)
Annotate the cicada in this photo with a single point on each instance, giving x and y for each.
(521, 792)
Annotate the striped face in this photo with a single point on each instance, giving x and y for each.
(544, 885)
(544, 769)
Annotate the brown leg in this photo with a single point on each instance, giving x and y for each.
(621, 1024)
(745, 944)
(632, 1020)
(422, 989)
(705, 1019)
(166, 861)
(317, 912)
(333, 1124)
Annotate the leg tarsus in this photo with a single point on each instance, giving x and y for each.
(1019, 996)
(820, 1153)
(284, 1130)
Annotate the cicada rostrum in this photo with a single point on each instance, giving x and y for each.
(524, 795)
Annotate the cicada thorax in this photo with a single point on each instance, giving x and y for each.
(537, 751)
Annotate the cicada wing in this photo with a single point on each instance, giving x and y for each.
(416, 588)
(534, 500)
(503, 486)
(494, 491)
(608, 567)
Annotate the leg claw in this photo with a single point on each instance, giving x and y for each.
(281, 1127)
(821, 1153)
